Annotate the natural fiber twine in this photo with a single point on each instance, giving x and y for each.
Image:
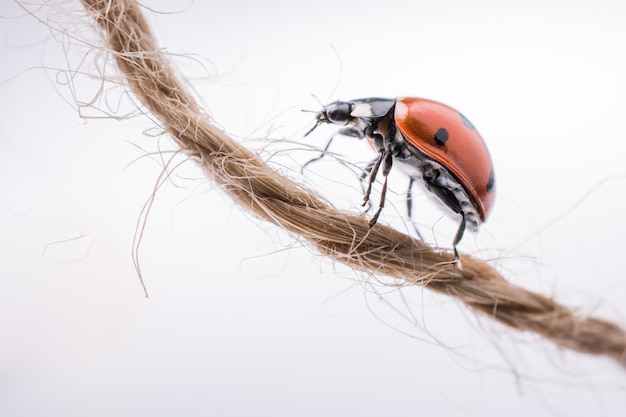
(344, 237)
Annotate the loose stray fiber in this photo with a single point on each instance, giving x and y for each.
(342, 236)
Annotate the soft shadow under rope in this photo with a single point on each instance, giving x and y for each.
(344, 237)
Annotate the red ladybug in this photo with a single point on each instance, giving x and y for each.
(431, 142)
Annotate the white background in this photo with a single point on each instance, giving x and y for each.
(244, 320)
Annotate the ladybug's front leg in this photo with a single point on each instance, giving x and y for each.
(365, 177)
(374, 166)
(386, 160)
(386, 151)
(373, 171)
(349, 131)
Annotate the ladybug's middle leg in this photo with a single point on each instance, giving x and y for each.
(409, 207)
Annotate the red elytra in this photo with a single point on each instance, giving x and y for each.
(463, 152)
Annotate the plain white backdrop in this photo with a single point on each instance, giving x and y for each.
(244, 320)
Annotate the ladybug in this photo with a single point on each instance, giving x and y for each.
(431, 142)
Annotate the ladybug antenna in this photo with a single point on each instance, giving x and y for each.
(321, 117)
(317, 99)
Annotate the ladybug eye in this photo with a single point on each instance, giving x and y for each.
(338, 113)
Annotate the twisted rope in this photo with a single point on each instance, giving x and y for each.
(344, 237)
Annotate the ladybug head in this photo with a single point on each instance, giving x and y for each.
(337, 112)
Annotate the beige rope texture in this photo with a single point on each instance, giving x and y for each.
(344, 237)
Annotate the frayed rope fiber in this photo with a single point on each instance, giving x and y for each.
(344, 237)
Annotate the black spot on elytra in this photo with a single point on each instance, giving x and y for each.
(466, 121)
(441, 137)
(491, 182)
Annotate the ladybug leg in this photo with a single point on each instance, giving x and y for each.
(348, 131)
(409, 207)
(457, 239)
(387, 162)
(322, 154)
(372, 177)
(433, 176)
(367, 170)
(365, 174)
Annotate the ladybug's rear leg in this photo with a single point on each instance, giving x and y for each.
(457, 239)
(438, 181)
